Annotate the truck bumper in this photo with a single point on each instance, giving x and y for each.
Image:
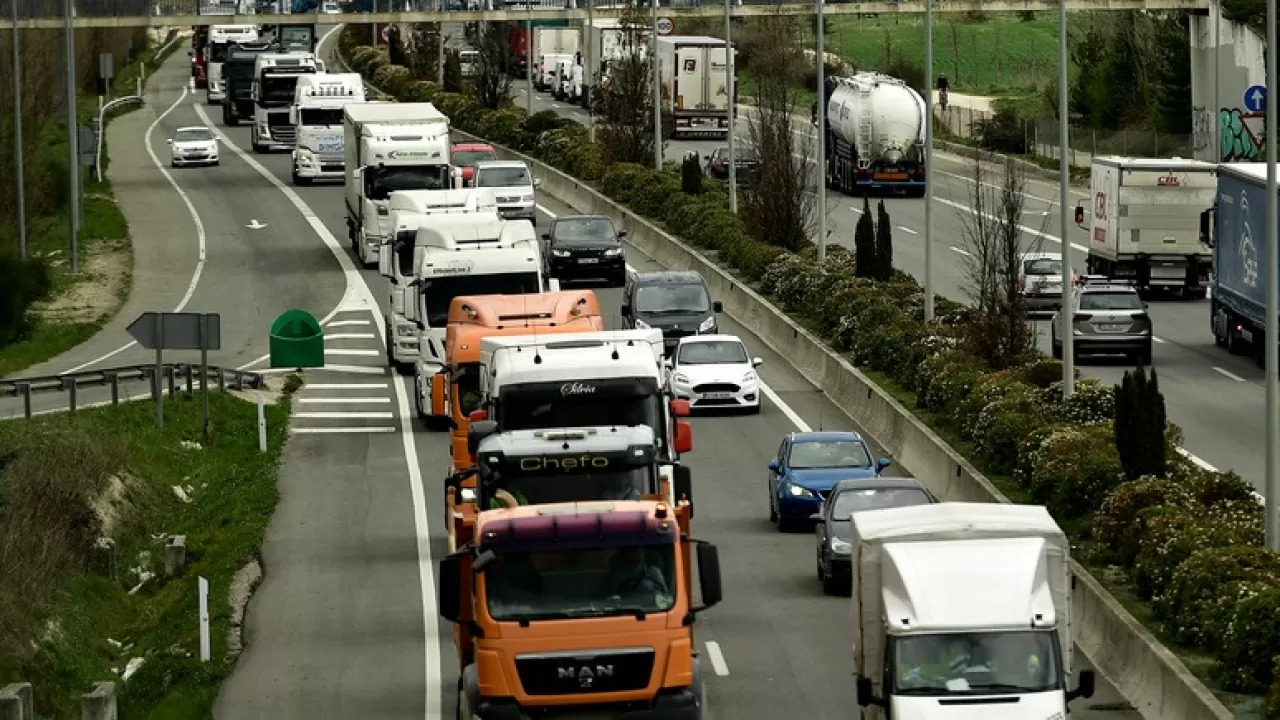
(682, 704)
(706, 126)
(403, 340)
(307, 166)
(214, 96)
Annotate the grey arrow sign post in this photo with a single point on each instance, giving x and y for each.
(179, 331)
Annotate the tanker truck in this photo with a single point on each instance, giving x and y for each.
(875, 135)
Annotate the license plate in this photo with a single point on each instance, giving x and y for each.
(716, 396)
(1112, 327)
(588, 261)
(333, 147)
(890, 176)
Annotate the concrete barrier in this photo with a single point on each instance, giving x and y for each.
(15, 702)
(99, 703)
(1150, 677)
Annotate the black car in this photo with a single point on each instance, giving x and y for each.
(673, 301)
(834, 522)
(747, 160)
(582, 247)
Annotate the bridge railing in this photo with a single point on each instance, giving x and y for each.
(171, 374)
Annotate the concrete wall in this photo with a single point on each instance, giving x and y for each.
(1224, 129)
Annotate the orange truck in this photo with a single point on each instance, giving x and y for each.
(579, 607)
(455, 390)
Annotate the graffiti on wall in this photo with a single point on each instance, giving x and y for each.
(1204, 133)
(1242, 135)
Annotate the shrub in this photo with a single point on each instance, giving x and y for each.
(1092, 403)
(421, 91)
(375, 63)
(1117, 528)
(691, 175)
(392, 79)
(1199, 581)
(1075, 469)
(1003, 423)
(1171, 534)
(1217, 488)
(1246, 658)
(992, 387)
(27, 281)
(360, 57)
(947, 379)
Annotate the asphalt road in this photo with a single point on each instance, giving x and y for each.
(1216, 398)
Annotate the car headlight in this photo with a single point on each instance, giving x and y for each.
(613, 251)
(526, 198)
(840, 547)
(642, 325)
(707, 324)
(561, 253)
(750, 376)
(680, 379)
(468, 495)
(797, 491)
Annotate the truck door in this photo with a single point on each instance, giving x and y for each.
(691, 78)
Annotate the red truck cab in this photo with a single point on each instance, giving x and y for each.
(466, 155)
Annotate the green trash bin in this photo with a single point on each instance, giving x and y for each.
(297, 341)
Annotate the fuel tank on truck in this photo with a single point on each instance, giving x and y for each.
(880, 115)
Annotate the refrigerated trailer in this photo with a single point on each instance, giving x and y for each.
(694, 72)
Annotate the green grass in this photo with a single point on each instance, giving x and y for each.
(72, 616)
(804, 97)
(1000, 56)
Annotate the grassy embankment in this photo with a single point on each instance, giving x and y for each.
(68, 479)
(81, 304)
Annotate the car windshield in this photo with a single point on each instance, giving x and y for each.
(194, 135)
(1110, 301)
(828, 454)
(321, 116)
(974, 663)
(582, 486)
(849, 502)
(586, 582)
(672, 298)
(468, 158)
(386, 180)
(713, 352)
(584, 229)
(503, 177)
(439, 292)
(1044, 267)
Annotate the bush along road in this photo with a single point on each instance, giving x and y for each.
(1180, 546)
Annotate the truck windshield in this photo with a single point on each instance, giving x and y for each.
(544, 488)
(439, 292)
(278, 89)
(387, 180)
(320, 116)
(984, 663)
(578, 583)
(218, 51)
(466, 380)
(519, 410)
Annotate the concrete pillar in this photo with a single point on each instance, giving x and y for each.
(175, 556)
(15, 702)
(99, 703)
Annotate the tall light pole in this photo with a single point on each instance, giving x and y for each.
(590, 71)
(440, 56)
(821, 59)
(1272, 334)
(18, 173)
(657, 89)
(73, 138)
(928, 162)
(733, 108)
(528, 58)
(1065, 323)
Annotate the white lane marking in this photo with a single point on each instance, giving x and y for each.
(346, 323)
(856, 211)
(343, 386)
(340, 430)
(962, 251)
(201, 246)
(434, 694)
(1057, 241)
(351, 336)
(1227, 374)
(1158, 341)
(717, 658)
(908, 230)
(349, 353)
(357, 369)
(345, 415)
(344, 400)
(327, 321)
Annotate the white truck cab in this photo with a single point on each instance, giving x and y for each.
(275, 77)
(221, 38)
(513, 185)
(549, 69)
(962, 601)
(316, 115)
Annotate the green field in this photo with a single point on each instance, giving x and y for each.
(1000, 56)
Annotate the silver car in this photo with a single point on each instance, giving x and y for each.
(1108, 317)
(514, 187)
(1040, 281)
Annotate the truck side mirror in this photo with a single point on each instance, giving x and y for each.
(709, 576)
(450, 602)
(684, 437)
(684, 486)
(866, 696)
(717, 306)
(624, 309)
(1080, 215)
(477, 433)
(537, 182)
(1085, 688)
(439, 393)
(1206, 227)
(293, 116)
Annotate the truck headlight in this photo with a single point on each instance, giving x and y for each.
(797, 491)
(526, 198)
(707, 325)
(561, 253)
(840, 547)
(406, 330)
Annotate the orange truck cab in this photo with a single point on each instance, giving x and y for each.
(579, 606)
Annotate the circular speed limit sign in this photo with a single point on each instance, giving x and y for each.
(666, 26)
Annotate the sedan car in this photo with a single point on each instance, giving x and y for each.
(466, 155)
(581, 247)
(715, 371)
(193, 146)
(1040, 281)
(833, 524)
(808, 466)
(746, 160)
(1107, 317)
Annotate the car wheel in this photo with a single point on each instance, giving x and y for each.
(773, 512)
(832, 586)
(821, 575)
(754, 409)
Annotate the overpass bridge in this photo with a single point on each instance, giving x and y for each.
(181, 13)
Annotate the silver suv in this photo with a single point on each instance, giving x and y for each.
(513, 186)
(1040, 281)
(1108, 317)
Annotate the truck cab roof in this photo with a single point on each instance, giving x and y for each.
(499, 312)
(426, 202)
(575, 356)
(585, 524)
(1255, 173)
(1175, 164)
(636, 440)
(391, 112)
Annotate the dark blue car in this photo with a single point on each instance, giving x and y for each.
(808, 466)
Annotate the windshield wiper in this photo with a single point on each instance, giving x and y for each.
(638, 612)
(1002, 687)
(677, 311)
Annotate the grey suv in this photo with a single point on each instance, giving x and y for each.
(1108, 317)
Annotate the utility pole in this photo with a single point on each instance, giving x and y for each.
(73, 137)
(1272, 333)
(657, 88)
(928, 162)
(590, 72)
(730, 86)
(1065, 316)
(528, 58)
(18, 172)
(440, 56)
(822, 131)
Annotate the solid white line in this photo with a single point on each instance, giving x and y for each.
(345, 323)
(358, 353)
(1031, 231)
(357, 369)
(717, 658)
(343, 386)
(351, 336)
(341, 430)
(1158, 341)
(201, 246)
(345, 415)
(857, 211)
(434, 695)
(345, 400)
(962, 251)
(1227, 373)
(906, 229)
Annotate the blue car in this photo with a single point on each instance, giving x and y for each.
(808, 466)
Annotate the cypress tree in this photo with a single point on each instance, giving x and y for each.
(884, 243)
(1140, 425)
(864, 243)
(1124, 423)
(1154, 415)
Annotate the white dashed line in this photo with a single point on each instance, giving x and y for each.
(717, 658)
(907, 230)
(345, 415)
(962, 251)
(344, 400)
(1227, 374)
(1158, 341)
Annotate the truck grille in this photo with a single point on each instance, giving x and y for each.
(579, 673)
(715, 387)
(281, 130)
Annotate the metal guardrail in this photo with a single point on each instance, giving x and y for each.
(171, 374)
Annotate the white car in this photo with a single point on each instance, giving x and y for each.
(193, 146)
(715, 371)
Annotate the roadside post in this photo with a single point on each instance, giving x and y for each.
(178, 331)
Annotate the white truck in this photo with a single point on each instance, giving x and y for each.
(550, 45)
(694, 72)
(604, 43)
(221, 38)
(1145, 221)
(410, 210)
(316, 115)
(275, 76)
(389, 147)
(962, 610)
(875, 135)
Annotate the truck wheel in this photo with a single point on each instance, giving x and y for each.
(299, 180)
(832, 586)
(1195, 293)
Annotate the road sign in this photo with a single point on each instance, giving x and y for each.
(106, 66)
(1255, 98)
(87, 145)
(177, 331)
(666, 26)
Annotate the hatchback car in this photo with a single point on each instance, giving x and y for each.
(1040, 281)
(715, 371)
(1107, 317)
(833, 524)
(193, 146)
(673, 301)
(584, 247)
(514, 187)
(808, 467)
(466, 155)
(747, 162)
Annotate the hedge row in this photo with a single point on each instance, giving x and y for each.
(1190, 542)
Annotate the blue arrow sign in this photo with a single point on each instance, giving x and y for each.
(1255, 98)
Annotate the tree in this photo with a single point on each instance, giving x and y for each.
(395, 47)
(623, 103)
(992, 232)
(864, 243)
(495, 63)
(1140, 425)
(780, 206)
(691, 175)
(884, 244)
(424, 50)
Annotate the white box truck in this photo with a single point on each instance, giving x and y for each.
(962, 610)
(695, 84)
(221, 38)
(316, 114)
(1144, 221)
(604, 42)
(389, 147)
(550, 45)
